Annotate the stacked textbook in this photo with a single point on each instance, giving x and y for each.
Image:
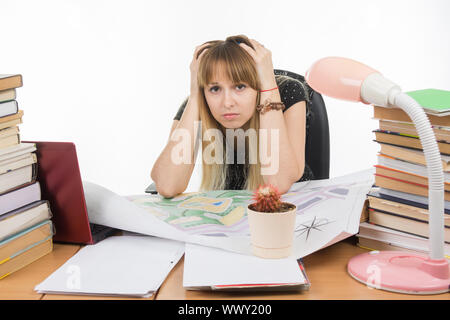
(25, 228)
(398, 203)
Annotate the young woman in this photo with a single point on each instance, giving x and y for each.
(233, 91)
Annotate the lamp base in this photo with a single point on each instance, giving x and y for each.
(401, 272)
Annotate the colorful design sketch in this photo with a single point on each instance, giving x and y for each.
(213, 213)
(223, 212)
(327, 211)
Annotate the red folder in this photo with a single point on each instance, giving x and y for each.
(60, 179)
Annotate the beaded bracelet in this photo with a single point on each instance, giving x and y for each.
(269, 105)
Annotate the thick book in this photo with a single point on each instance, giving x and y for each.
(404, 198)
(413, 226)
(411, 155)
(407, 141)
(8, 108)
(16, 151)
(23, 218)
(405, 186)
(25, 240)
(433, 101)
(9, 141)
(405, 176)
(10, 81)
(407, 128)
(17, 162)
(207, 268)
(409, 167)
(7, 95)
(403, 210)
(397, 114)
(12, 120)
(25, 258)
(21, 197)
(375, 237)
(9, 132)
(18, 178)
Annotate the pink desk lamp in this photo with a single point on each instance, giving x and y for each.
(395, 271)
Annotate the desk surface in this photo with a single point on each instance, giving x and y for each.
(326, 269)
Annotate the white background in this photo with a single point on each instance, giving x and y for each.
(110, 75)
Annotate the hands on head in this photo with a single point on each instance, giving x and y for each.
(261, 56)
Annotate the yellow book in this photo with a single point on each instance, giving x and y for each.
(12, 120)
(10, 81)
(7, 95)
(25, 247)
(9, 141)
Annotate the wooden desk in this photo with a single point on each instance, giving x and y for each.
(326, 270)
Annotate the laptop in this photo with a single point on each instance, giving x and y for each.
(60, 180)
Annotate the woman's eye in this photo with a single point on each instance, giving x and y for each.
(241, 86)
(214, 89)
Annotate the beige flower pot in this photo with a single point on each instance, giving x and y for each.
(272, 234)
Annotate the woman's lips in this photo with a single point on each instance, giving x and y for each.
(230, 116)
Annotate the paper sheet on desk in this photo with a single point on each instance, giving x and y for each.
(117, 266)
(327, 211)
(230, 269)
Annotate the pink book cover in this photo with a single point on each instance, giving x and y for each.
(20, 197)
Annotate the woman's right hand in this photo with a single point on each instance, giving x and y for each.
(195, 65)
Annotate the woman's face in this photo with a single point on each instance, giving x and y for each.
(231, 104)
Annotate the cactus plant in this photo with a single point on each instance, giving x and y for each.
(271, 223)
(268, 199)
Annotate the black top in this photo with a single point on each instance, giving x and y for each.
(291, 91)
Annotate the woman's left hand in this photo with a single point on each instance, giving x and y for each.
(263, 60)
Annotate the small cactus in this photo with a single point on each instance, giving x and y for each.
(268, 199)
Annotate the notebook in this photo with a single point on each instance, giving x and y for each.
(129, 265)
(434, 101)
(207, 268)
(60, 180)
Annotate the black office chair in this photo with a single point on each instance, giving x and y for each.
(317, 148)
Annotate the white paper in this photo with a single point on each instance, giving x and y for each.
(328, 210)
(119, 265)
(206, 266)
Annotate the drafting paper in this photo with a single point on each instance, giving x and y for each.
(327, 211)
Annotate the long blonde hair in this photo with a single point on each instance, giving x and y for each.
(240, 68)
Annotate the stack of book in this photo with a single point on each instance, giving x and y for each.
(26, 231)
(398, 203)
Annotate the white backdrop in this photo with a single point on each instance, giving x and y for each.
(110, 75)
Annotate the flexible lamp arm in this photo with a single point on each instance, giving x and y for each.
(435, 175)
(347, 79)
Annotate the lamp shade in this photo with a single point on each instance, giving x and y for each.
(339, 78)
